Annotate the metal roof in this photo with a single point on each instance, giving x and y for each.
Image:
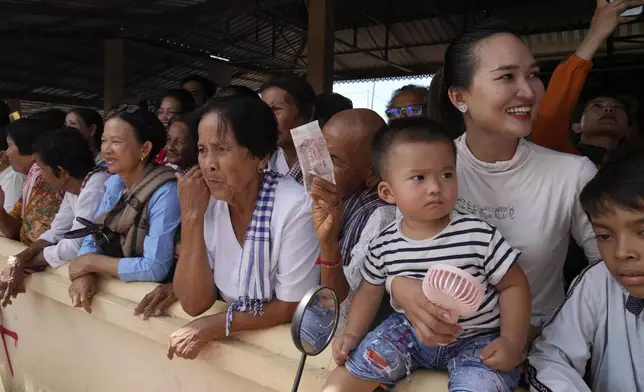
(53, 49)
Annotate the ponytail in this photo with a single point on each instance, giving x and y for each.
(441, 108)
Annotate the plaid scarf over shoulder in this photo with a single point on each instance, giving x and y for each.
(358, 208)
(255, 270)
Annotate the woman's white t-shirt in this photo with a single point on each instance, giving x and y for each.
(533, 199)
(294, 245)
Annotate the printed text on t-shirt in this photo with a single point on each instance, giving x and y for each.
(484, 212)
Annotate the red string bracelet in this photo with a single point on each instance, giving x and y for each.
(328, 263)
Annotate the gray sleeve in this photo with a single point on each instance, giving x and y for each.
(559, 356)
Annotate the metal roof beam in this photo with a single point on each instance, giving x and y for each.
(29, 96)
(171, 18)
(365, 51)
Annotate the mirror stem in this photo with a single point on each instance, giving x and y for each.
(300, 370)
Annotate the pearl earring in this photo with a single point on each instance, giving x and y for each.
(462, 108)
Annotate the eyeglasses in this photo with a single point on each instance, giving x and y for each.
(410, 111)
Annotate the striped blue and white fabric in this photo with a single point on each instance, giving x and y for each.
(467, 242)
(255, 272)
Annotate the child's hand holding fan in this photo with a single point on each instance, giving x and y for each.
(453, 289)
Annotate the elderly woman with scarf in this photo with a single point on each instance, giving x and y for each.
(139, 213)
(250, 230)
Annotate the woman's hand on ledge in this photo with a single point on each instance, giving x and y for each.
(156, 302)
(82, 292)
(79, 267)
(12, 281)
(188, 341)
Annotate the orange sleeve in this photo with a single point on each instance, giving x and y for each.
(553, 120)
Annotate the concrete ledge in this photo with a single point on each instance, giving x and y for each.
(64, 349)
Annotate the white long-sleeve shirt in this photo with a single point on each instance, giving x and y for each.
(83, 205)
(11, 183)
(592, 326)
(533, 199)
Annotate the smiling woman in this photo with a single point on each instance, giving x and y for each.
(489, 88)
(250, 230)
(139, 214)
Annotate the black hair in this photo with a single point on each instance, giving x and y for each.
(192, 131)
(236, 91)
(147, 128)
(578, 111)
(250, 120)
(5, 111)
(420, 91)
(65, 148)
(209, 87)
(406, 130)
(459, 66)
(299, 89)
(91, 117)
(185, 99)
(619, 183)
(328, 105)
(53, 118)
(25, 132)
(176, 119)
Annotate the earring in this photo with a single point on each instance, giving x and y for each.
(462, 108)
(142, 158)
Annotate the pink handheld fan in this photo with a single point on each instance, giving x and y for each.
(453, 289)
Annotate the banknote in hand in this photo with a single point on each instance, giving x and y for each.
(312, 154)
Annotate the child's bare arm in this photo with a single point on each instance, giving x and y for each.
(364, 306)
(515, 302)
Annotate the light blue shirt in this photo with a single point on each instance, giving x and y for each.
(158, 245)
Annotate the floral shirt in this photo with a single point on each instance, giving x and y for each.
(42, 206)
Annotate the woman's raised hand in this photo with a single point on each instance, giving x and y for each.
(194, 194)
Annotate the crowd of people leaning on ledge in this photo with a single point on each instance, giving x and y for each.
(478, 170)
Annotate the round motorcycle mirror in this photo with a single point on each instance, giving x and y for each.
(314, 324)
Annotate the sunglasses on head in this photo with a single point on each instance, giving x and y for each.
(410, 111)
(126, 108)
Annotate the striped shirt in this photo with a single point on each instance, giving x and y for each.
(467, 242)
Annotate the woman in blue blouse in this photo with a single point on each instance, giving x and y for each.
(131, 140)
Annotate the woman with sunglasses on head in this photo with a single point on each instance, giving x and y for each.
(132, 238)
(408, 101)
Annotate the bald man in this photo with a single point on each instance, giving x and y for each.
(349, 214)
